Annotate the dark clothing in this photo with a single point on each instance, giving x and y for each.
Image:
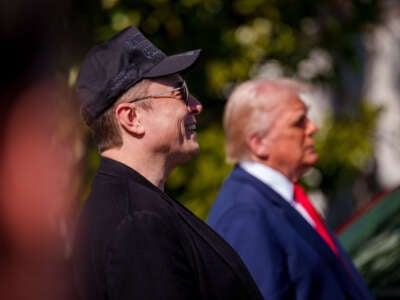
(135, 242)
(286, 256)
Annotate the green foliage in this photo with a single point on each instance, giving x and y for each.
(345, 146)
(373, 241)
(92, 162)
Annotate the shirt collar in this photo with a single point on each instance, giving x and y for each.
(273, 178)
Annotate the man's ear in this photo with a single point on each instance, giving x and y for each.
(128, 117)
(257, 145)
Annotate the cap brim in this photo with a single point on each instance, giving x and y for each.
(174, 64)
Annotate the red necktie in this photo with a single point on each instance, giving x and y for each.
(303, 200)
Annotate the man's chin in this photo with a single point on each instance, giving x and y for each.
(310, 159)
(189, 154)
(195, 150)
(313, 162)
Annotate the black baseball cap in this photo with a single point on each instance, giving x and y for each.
(111, 68)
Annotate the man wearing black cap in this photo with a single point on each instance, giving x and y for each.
(134, 241)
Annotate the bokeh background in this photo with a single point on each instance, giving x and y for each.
(349, 49)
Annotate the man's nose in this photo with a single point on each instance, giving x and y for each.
(194, 106)
(312, 127)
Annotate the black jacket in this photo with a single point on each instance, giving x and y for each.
(135, 242)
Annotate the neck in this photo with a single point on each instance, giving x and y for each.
(152, 167)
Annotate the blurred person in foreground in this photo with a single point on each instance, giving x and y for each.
(134, 241)
(40, 152)
(263, 212)
(38, 191)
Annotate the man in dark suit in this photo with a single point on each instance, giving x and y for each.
(133, 240)
(262, 211)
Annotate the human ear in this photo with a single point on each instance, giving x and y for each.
(128, 118)
(257, 145)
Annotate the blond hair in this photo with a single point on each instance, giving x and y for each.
(247, 103)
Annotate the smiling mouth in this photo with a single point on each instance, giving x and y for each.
(191, 127)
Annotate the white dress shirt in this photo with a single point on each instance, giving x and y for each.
(278, 182)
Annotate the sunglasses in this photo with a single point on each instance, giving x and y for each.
(182, 89)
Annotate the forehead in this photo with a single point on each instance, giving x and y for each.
(293, 104)
(282, 101)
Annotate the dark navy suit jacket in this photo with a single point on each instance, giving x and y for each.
(286, 256)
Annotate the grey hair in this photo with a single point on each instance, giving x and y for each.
(248, 102)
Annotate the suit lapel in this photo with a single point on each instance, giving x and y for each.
(217, 243)
(338, 265)
(307, 233)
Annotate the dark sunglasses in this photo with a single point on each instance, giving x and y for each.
(182, 88)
